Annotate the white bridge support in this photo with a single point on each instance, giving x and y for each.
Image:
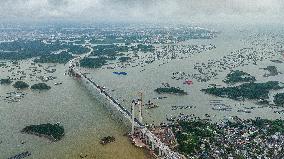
(133, 117)
(150, 139)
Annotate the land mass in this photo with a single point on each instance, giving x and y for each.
(40, 86)
(170, 90)
(97, 62)
(279, 99)
(238, 76)
(202, 139)
(53, 132)
(256, 91)
(272, 71)
(6, 81)
(20, 85)
(107, 139)
(63, 57)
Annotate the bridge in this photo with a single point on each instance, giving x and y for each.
(152, 142)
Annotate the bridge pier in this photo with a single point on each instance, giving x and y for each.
(149, 138)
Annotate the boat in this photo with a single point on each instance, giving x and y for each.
(188, 82)
(120, 73)
(152, 106)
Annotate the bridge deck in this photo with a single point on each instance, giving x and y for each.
(168, 153)
(126, 113)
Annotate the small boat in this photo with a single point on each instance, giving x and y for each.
(152, 106)
(120, 73)
(57, 83)
(244, 111)
(188, 82)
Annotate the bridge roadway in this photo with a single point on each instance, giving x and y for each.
(154, 142)
(124, 111)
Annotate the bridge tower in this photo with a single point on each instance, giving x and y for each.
(140, 106)
(133, 116)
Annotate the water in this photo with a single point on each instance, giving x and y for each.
(84, 118)
(125, 88)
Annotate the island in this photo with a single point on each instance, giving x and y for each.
(20, 85)
(238, 76)
(272, 71)
(143, 48)
(203, 139)
(257, 91)
(40, 86)
(6, 81)
(47, 51)
(62, 57)
(276, 61)
(97, 62)
(124, 59)
(2, 64)
(53, 132)
(170, 90)
(279, 99)
(106, 140)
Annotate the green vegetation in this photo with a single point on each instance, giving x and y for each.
(15, 62)
(202, 139)
(245, 91)
(53, 132)
(40, 86)
(105, 53)
(24, 49)
(77, 49)
(112, 39)
(170, 90)
(2, 64)
(166, 36)
(143, 48)
(107, 40)
(274, 125)
(279, 99)
(106, 140)
(93, 62)
(63, 57)
(239, 76)
(124, 59)
(272, 71)
(109, 50)
(276, 61)
(192, 133)
(6, 81)
(20, 85)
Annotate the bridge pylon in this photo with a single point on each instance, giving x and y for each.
(140, 107)
(133, 116)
